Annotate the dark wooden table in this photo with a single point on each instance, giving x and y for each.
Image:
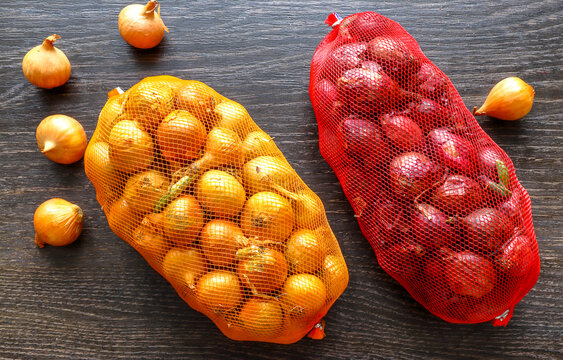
(97, 298)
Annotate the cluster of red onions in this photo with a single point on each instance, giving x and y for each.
(432, 192)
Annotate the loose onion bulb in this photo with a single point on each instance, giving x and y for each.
(61, 139)
(141, 26)
(510, 99)
(57, 222)
(45, 66)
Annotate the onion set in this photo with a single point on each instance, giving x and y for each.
(141, 25)
(57, 222)
(61, 139)
(263, 269)
(509, 99)
(45, 66)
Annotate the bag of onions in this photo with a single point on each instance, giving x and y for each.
(436, 198)
(186, 177)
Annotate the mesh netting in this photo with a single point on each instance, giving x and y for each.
(186, 177)
(437, 199)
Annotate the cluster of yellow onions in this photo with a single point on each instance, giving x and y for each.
(58, 222)
(189, 180)
(47, 67)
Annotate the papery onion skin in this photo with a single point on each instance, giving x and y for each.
(61, 138)
(45, 66)
(141, 26)
(57, 222)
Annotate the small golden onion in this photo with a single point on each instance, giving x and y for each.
(183, 220)
(45, 66)
(258, 143)
(199, 99)
(98, 168)
(61, 139)
(308, 209)
(144, 189)
(149, 102)
(220, 240)
(131, 149)
(233, 116)
(141, 26)
(184, 266)
(510, 99)
(149, 239)
(57, 222)
(335, 275)
(267, 216)
(261, 317)
(219, 291)
(266, 173)
(305, 251)
(221, 194)
(180, 136)
(122, 220)
(262, 269)
(109, 115)
(303, 295)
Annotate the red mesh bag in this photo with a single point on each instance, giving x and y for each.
(436, 198)
(186, 177)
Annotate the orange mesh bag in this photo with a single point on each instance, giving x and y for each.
(436, 198)
(186, 177)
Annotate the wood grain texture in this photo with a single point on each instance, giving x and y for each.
(97, 298)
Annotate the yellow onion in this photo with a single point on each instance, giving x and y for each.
(267, 216)
(180, 136)
(57, 222)
(141, 26)
(144, 189)
(61, 139)
(109, 115)
(308, 208)
(122, 220)
(510, 99)
(183, 220)
(258, 143)
(305, 251)
(261, 317)
(220, 240)
(131, 149)
(149, 102)
(222, 147)
(45, 66)
(262, 269)
(233, 116)
(97, 164)
(335, 274)
(221, 194)
(98, 168)
(199, 99)
(184, 266)
(265, 173)
(303, 295)
(149, 239)
(219, 291)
